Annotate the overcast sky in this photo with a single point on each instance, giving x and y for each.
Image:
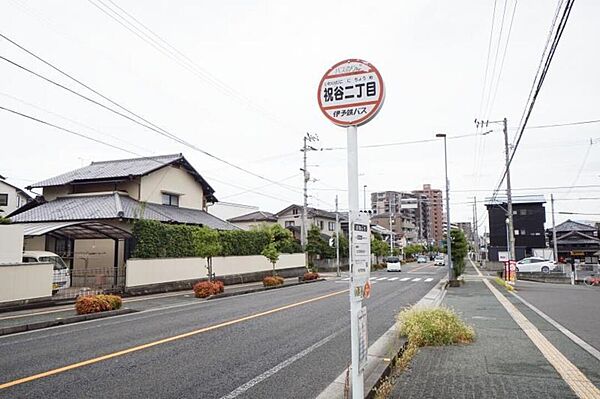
(250, 94)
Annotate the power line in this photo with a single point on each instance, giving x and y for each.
(495, 59)
(538, 82)
(487, 63)
(143, 32)
(503, 59)
(147, 124)
(564, 124)
(84, 136)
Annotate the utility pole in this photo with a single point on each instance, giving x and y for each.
(305, 148)
(337, 238)
(554, 243)
(476, 231)
(511, 232)
(448, 224)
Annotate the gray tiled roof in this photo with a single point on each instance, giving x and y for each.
(111, 169)
(258, 216)
(107, 206)
(571, 225)
(312, 212)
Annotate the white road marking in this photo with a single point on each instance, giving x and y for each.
(428, 279)
(346, 279)
(394, 278)
(382, 278)
(416, 279)
(587, 347)
(372, 278)
(405, 279)
(243, 388)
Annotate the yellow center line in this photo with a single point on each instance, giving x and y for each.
(576, 380)
(163, 341)
(419, 268)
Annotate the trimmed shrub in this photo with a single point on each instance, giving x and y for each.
(205, 289)
(310, 276)
(271, 281)
(94, 304)
(220, 285)
(114, 301)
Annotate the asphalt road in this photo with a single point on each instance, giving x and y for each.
(287, 343)
(574, 307)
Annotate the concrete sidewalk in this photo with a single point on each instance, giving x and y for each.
(503, 362)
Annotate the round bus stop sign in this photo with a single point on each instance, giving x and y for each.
(351, 93)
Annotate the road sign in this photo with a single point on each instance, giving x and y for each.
(360, 243)
(351, 93)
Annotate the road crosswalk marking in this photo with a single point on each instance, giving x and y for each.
(416, 279)
(394, 278)
(428, 279)
(405, 279)
(382, 278)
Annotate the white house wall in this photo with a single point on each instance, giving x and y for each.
(25, 281)
(11, 243)
(172, 180)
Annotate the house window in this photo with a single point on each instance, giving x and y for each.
(321, 224)
(3, 199)
(331, 226)
(523, 212)
(170, 199)
(289, 223)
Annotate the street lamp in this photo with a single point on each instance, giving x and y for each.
(448, 239)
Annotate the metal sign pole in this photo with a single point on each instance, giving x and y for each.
(355, 300)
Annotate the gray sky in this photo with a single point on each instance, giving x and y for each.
(251, 94)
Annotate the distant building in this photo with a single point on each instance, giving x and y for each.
(291, 218)
(253, 220)
(408, 209)
(466, 227)
(435, 212)
(577, 240)
(529, 216)
(11, 197)
(228, 210)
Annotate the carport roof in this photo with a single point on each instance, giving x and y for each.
(76, 230)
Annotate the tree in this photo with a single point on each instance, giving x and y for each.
(396, 252)
(460, 248)
(207, 244)
(316, 245)
(282, 238)
(413, 249)
(344, 245)
(272, 254)
(379, 247)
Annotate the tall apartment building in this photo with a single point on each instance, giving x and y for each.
(435, 211)
(412, 208)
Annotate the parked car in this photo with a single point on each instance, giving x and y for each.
(393, 264)
(421, 259)
(440, 260)
(535, 264)
(61, 278)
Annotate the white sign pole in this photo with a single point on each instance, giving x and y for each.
(355, 300)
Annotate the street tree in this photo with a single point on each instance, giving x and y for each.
(379, 247)
(272, 254)
(460, 249)
(206, 245)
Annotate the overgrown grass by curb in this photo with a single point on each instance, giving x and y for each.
(424, 327)
(504, 284)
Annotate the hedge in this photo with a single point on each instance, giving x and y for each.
(160, 240)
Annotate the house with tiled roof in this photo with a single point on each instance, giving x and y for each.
(92, 209)
(577, 240)
(291, 218)
(253, 220)
(11, 197)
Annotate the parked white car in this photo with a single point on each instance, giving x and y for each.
(535, 264)
(62, 276)
(393, 264)
(440, 260)
(421, 259)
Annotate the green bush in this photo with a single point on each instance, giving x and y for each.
(433, 327)
(160, 240)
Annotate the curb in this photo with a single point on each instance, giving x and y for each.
(260, 289)
(383, 352)
(61, 321)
